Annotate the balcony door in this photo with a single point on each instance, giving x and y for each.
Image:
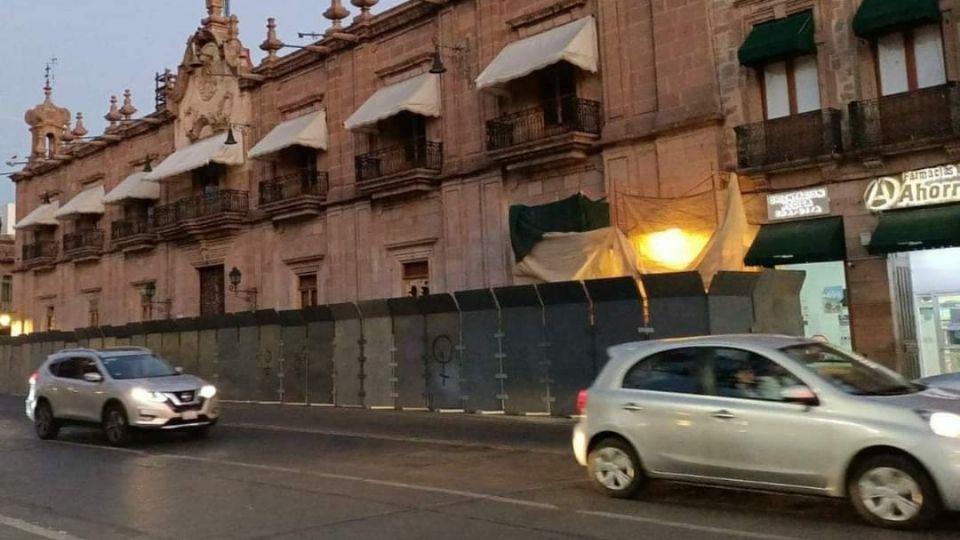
(556, 83)
(212, 290)
(911, 60)
(790, 87)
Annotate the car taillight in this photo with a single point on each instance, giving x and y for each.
(33, 378)
(582, 402)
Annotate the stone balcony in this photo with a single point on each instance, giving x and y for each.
(83, 246)
(406, 169)
(790, 142)
(40, 255)
(212, 215)
(925, 118)
(556, 132)
(134, 234)
(294, 196)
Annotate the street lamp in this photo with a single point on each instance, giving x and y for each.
(250, 295)
(148, 293)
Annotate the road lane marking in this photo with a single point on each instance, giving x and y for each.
(35, 530)
(391, 438)
(688, 526)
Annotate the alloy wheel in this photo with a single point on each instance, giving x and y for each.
(890, 494)
(613, 468)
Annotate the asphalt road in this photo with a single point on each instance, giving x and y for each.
(297, 472)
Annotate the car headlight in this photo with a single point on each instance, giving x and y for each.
(945, 424)
(208, 391)
(146, 396)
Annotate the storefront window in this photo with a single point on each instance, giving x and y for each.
(823, 300)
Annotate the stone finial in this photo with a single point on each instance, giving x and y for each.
(128, 110)
(335, 13)
(215, 9)
(271, 45)
(114, 115)
(79, 130)
(365, 7)
(68, 136)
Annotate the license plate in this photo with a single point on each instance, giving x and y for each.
(190, 415)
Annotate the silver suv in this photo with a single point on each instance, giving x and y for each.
(772, 413)
(118, 389)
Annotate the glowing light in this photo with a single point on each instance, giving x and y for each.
(5, 320)
(673, 248)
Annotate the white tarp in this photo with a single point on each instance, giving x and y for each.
(419, 95)
(601, 253)
(309, 131)
(200, 154)
(40, 217)
(729, 244)
(134, 187)
(574, 42)
(88, 201)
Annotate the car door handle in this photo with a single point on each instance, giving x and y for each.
(632, 407)
(724, 415)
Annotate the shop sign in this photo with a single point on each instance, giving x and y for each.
(924, 187)
(798, 204)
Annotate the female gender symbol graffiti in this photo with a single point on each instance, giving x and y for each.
(442, 352)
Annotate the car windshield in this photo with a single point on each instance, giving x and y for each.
(141, 366)
(850, 373)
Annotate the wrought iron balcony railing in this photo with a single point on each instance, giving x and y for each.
(48, 249)
(126, 228)
(790, 139)
(925, 115)
(7, 253)
(414, 154)
(210, 204)
(290, 186)
(79, 240)
(550, 118)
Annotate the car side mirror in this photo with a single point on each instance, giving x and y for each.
(178, 370)
(93, 377)
(800, 395)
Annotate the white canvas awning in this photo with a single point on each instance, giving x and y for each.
(88, 201)
(419, 95)
(574, 42)
(42, 216)
(134, 187)
(200, 154)
(309, 131)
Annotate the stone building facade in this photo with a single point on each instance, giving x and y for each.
(413, 199)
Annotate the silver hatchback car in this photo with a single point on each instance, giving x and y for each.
(118, 389)
(772, 413)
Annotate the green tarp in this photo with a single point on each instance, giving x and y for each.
(528, 224)
(921, 228)
(877, 17)
(791, 36)
(798, 242)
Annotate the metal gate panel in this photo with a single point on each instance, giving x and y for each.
(521, 318)
(731, 302)
(482, 369)
(22, 359)
(138, 337)
(6, 368)
(444, 347)
(270, 370)
(228, 357)
(154, 339)
(208, 353)
(188, 354)
(678, 304)
(776, 302)
(569, 353)
(319, 355)
(618, 315)
(347, 352)
(248, 357)
(410, 334)
(293, 356)
(379, 369)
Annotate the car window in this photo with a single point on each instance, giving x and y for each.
(87, 365)
(67, 368)
(849, 372)
(747, 375)
(141, 366)
(678, 371)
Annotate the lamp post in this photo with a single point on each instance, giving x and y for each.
(250, 295)
(147, 295)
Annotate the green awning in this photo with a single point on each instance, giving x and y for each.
(880, 16)
(798, 242)
(791, 36)
(919, 228)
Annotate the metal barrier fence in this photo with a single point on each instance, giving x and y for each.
(518, 350)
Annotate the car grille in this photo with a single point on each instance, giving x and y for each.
(185, 397)
(188, 407)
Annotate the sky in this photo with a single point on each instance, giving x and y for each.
(106, 46)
